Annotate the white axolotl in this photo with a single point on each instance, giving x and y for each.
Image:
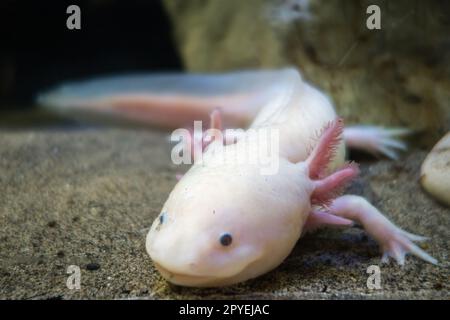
(225, 221)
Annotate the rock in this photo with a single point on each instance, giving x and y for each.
(92, 266)
(435, 171)
(127, 175)
(396, 76)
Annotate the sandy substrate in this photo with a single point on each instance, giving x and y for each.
(88, 197)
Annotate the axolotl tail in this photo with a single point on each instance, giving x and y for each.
(170, 100)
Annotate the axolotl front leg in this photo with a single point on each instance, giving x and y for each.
(394, 241)
(344, 210)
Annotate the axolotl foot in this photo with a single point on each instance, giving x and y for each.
(343, 210)
(376, 140)
(394, 242)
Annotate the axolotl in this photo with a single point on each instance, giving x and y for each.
(226, 221)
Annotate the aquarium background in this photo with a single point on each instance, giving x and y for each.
(397, 75)
(38, 51)
(85, 194)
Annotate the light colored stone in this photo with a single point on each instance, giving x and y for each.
(435, 171)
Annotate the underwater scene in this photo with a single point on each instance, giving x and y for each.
(238, 149)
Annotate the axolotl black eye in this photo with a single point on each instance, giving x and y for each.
(162, 217)
(226, 239)
(161, 220)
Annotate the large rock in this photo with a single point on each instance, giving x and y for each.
(87, 198)
(435, 171)
(397, 76)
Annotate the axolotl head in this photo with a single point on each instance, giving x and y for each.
(229, 223)
(222, 227)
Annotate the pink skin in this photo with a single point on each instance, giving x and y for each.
(254, 99)
(344, 210)
(176, 100)
(326, 187)
(341, 211)
(318, 218)
(215, 123)
(325, 190)
(376, 140)
(394, 242)
(209, 136)
(372, 139)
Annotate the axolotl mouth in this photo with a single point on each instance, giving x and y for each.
(234, 273)
(185, 279)
(190, 280)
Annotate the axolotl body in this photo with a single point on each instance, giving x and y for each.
(226, 221)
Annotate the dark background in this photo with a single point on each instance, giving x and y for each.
(38, 51)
